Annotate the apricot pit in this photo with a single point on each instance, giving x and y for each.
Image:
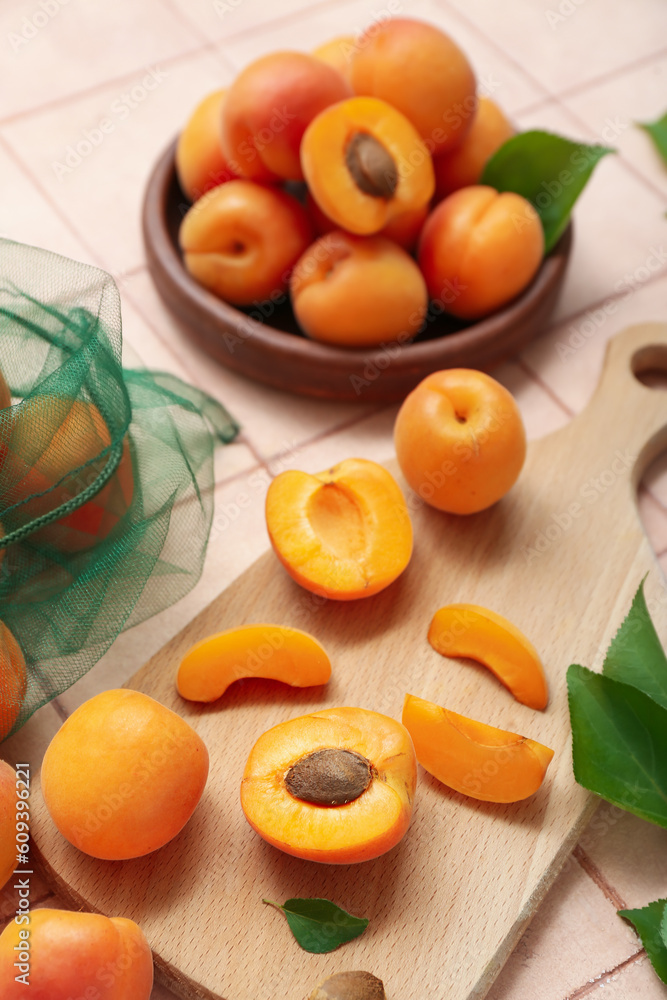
(356, 985)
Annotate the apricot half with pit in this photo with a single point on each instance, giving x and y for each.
(271, 651)
(344, 533)
(334, 786)
(472, 758)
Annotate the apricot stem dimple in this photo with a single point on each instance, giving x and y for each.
(329, 777)
(371, 165)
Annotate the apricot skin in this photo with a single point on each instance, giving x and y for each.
(357, 831)
(479, 249)
(357, 291)
(241, 240)
(8, 822)
(472, 758)
(268, 108)
(482, 635)
(419, 70)
(338, 53)
(460, 440)
(464, 165)
(123, 775)
(324, 150)
(344, 533)
(74, 955)
(403, 229)
(270, 651)
(200, 162)
(50, 437)
(13, 680)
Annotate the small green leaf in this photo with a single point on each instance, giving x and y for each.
(658, 132)
(636, 656)
(318, 924)
(549, 171)
(619, 743)
(649, 922)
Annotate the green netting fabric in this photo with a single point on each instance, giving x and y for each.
(106, 478)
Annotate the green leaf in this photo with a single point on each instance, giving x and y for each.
(636, 656)
(318, 924)
(658, 132)
(619, 743)
(649, 922)
(549, 171)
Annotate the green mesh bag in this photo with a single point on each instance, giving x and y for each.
(106, 479)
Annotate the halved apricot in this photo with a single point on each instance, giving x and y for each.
(270, 651)
(472, 758)
(482, 635)
(334, 786)
(365, 164)
(344, 533)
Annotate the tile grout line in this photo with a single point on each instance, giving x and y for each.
(588, 988)
(330, 432)
(612, 74)
(596, 876)
(285, 20)
(555, 398)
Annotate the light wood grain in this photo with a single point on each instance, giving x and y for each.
(449, 903)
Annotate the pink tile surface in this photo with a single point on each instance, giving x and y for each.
(578, 68)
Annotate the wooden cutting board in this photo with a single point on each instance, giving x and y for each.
(561, 556)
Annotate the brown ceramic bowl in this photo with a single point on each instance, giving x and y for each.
(280, 355)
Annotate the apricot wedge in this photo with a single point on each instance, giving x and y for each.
(472, 758)
(270, 651)
(335, 786)
(343, 533)
(482, 635)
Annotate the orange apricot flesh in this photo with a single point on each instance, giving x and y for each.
(326, 814)
(482, 635)
(270, 651)
(344, 533)
(472, 758)
(357, 201)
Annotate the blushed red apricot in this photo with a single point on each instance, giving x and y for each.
(463, 166)
(345, 533)
(364, 164)
(357, 291)
(420, 70)
(241, 240)
(483, 635)
(69, 955)
(472, 758)
(268, 108)
(335, 786)
(479, 249)
(200, 162)
(272, 651)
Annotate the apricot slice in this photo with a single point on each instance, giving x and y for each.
(344, 533)
(482, 635)
(335, 786)
(472, 758)
(365, 164)
(270, 651)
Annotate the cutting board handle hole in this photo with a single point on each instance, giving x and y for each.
(649, 366)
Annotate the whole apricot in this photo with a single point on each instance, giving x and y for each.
(345, 533)
(365, 164)
(13, 680)
(463, 166)
(418, 69)
(479, 249)
(460, 440)
(62, 955)
(403, 229)
(58, 448)
(357, 291)
(8, 822)
(123, 775)
(200, 162)
(338, 53)
(241, 240)
(268, 108)
(336, 786)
